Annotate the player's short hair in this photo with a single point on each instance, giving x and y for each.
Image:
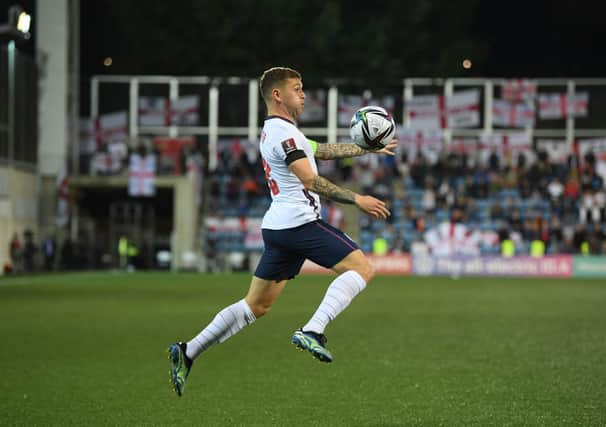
(273, 77)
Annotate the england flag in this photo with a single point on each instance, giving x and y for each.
(559, 105)
(509, 114)
(142, 175)
(557, 149)
(106, 128)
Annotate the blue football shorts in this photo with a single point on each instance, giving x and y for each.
(286, 250)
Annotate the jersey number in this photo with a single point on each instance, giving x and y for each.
(271, 183)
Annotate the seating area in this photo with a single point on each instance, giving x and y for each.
(562, 206)
(484, 215)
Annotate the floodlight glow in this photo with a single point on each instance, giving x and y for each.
(23, 22)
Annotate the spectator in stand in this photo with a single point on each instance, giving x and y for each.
(529, 230)
(345, 167)
(49, 248)
(460, 203)
(365, 172)
(16, 252)
(382, 185)
(402, 165)
(333, 214)
(585, 180)
(515, 220)
(555, 189)
(428, 200)
(597, 241)
(481, 183)
(445, 197)
(600, 201)
(555, 235)
(251, 189)
(495, 181)
(380, 247)
(419, 170)
(29, 251)
(510, 178)
(597, 182)
(539, 173)
(571, 192)
(524, 186)
(494, 162)
(496, 212)
(589, 210)
(580, 245)
(67, 254)
(590, 160)
(418, 222)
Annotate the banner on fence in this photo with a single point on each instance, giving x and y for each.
(589, 266)
(548, 266)
(387, 264)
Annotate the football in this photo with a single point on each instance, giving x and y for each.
(372, 127)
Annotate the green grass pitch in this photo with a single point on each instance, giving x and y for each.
(90, 349)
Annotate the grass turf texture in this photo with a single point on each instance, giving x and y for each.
(89, 349)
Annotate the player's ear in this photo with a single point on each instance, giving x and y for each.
(275, 94)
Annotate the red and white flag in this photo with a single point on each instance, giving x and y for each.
(142, 175)
(460, 110)
(86, 136)
(185, 110)
(507, 146)
(160, 111)
(463, 109)
(153, 111)
(598, 147)
(557, 149)
(62, 216)
(349, 104)
(518, 90)
(106, 128)
(449, 238)
(417, 142)
(560, 105)
(509, 114)
(315, 107)
(426, 112)
(463, 146)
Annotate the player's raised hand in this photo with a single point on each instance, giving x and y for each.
(372, 206)
(390, 148)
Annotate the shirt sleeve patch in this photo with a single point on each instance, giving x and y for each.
(289, 145)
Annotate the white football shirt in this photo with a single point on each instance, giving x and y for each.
(292, 205)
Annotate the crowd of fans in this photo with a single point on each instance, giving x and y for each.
(561, 204)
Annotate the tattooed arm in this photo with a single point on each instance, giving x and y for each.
(331, 191)
(340, 150)
(320, 185)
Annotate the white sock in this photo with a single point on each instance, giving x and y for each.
(338, 296)
(226, 323)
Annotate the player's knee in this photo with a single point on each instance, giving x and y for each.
(366, 270)
(259, 309)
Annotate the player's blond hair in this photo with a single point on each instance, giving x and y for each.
(273, 77)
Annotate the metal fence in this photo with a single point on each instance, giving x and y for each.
(231, 107)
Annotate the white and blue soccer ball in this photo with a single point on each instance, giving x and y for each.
(372, 127)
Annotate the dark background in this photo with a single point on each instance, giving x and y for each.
(374, 42)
